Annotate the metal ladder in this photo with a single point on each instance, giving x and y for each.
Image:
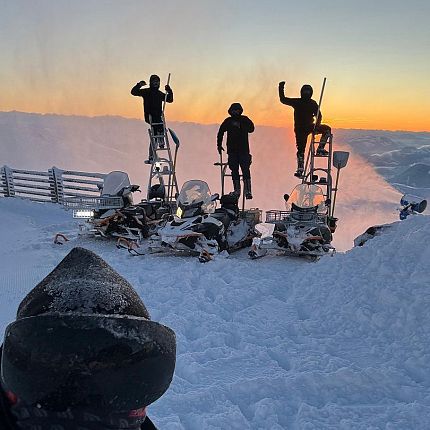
(223, 170)
(162, 163)
(317, 164)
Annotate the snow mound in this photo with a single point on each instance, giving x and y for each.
(275, 343)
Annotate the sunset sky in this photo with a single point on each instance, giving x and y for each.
(82, 57)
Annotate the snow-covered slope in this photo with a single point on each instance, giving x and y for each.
(417, 176)
(276, 343)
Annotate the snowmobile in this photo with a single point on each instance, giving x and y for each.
(411, 205)
(307, 225)
(113, 214)
(302, 229)
(115, 193)
(200, 229)
(135, 222)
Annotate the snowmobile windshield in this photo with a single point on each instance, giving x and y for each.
(196, 194)
(306, 196)
(114, 182)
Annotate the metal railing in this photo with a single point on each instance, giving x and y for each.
(55, 185)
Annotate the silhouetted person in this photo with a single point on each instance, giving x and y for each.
(305, 110)
(153, 100)
(238, 127)
(83, 353)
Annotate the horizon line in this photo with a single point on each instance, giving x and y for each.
(288, 127)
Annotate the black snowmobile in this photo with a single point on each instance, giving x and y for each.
(306, 227)
(135, 221)
(199, 228)
(113, 214)
(301, 230)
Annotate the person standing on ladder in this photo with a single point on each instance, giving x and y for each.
(238, 127)
(153, 100)
(305, 110)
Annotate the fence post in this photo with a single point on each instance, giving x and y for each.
(7, 179)
(3, 182)
(56, 184)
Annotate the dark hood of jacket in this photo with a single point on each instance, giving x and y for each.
(306, 91)
(235, 106)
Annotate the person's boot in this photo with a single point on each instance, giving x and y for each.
(300, 166)
(247, 188)
(236, 186)
(320, 150)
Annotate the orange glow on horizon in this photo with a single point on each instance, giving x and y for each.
(213, 112)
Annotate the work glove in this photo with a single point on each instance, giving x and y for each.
(220, 149)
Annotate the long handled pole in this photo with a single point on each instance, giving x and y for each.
(319, 103)
(335, 193)
(222, 175)
(170, 192)
(174, 172)
(165, 95)
(316, 122)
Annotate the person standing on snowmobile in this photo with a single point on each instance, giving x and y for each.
(305, 110)
(238, 127)
(153, 100)
(83, 353)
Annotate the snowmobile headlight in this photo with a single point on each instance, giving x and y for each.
(83, 213)
(179, 212)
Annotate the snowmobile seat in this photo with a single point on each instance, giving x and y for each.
(294, 207)
(150, 208)
(231, 203)
(157, 191)
(280, 226)
(226, 216)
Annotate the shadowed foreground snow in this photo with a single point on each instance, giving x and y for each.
(276, 343)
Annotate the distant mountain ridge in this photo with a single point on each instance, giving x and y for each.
(417, 176)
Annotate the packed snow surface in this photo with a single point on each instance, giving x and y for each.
(274, 343)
